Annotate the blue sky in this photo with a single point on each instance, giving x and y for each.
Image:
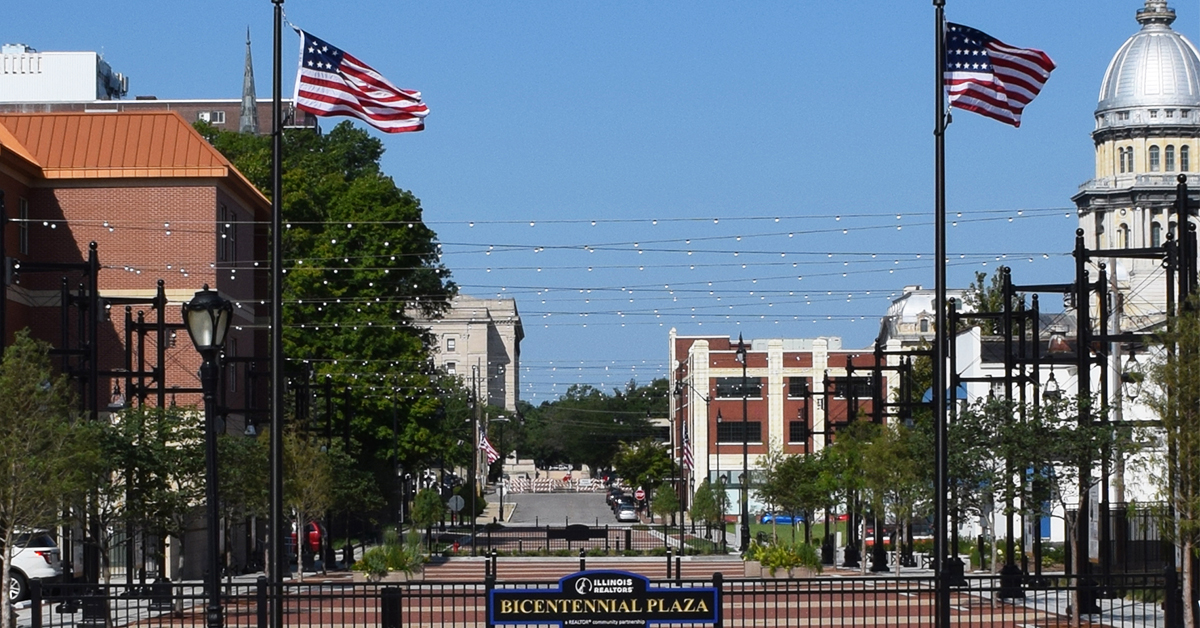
(763, 168)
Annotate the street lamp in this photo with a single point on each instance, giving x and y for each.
(206, 317)
(720, 483)
(503, 455)
(745, 538)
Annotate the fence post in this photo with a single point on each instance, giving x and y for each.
(628, 538)
(668, 563)
(547, 538)
(260, 595)
(389, 607)
(489, 583)
(35, 603)
(606, 538)
(718, 582)
(582, 559)
(1172, 599)
(678, 570)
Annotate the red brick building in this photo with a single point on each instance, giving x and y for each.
(160, 204)
(798, 392)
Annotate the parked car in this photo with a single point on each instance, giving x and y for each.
(612, 494)
(781, 518)
(621, 501)
(627, 512)
(312, 538)
(35, 557)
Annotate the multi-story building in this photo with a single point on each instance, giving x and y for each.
(479, 341)
(798, 392)
(155, 202)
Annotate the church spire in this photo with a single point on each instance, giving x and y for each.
(249, 118)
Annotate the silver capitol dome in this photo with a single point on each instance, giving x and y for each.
(1157, 68)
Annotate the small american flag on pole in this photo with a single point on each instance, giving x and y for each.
(990, 77)
(331, 82)
(687, 448)
(486, 446)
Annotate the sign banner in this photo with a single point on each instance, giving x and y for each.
(604, 599)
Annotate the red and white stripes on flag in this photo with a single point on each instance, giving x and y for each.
(990, 77)
(486, 446)
(687, 449)
(331, 82)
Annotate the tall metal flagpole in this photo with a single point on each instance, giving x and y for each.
(275, 569)
(942, 340)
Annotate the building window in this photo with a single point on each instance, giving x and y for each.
(1170, 113)
(730, 431)
(23, 226)
(1170, 158)
(731, 388)
(798, 431)
(451, 368)
(857, 387)
(1153, 113)
(924, 325)
(1154, 159)
(451, 344)
(1123, 236)
(1121, 160)
(1155, 234)
(1184, 161)
(797, 387)
(218, 117)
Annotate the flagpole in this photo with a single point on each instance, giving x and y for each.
(943, 553)
(277, 561)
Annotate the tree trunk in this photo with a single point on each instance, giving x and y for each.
(1189, 608)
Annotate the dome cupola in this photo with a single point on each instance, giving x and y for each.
(1154, 77)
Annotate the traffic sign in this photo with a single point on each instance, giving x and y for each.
(639, 495)
(456, 503)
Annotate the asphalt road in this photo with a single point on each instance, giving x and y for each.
(559, 509)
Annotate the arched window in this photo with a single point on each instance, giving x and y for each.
(1170, 158)
(1100, 242)
(1155, 233)
(1121, 159)
(1123, 236)
(1184, 166)
(1128, 160)
(1154, 160)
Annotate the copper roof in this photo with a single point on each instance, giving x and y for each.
(118, 145)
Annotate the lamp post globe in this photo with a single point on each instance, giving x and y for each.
(207, 318)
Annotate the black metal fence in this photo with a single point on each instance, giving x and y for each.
(876, 601)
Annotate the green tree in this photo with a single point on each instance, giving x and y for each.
(665, 503)
(307, 487)
(45, 451)
(428, 509)
(895, 485)
(708, 506)
(361, 265)
(645, 463)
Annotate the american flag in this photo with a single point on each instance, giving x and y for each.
(687, 448)
(990, 77)
(331, 82)
(486, 445)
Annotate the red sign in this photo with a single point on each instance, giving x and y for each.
(639, 495)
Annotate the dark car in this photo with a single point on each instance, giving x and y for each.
(621, 500)
(612, 494)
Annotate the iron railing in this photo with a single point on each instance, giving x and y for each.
(1130, 601)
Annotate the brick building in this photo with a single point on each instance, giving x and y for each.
(798, 393)
(159, 204)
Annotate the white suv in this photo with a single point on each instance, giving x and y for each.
(35, 557)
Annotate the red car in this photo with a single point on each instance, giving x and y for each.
(314, 533)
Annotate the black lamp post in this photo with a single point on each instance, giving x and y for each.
(207, 319)
(745, 537)
(721, 495)
(503, 455)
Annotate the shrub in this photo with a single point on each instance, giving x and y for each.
(785, 556)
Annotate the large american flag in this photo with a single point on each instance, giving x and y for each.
(486, 446)
(331, 82)
(990, 77)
